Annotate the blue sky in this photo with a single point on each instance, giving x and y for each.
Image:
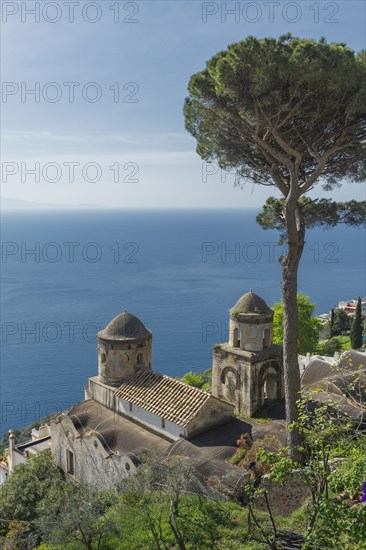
(149, 60)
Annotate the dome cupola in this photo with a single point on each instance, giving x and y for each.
(250, 303)
(251, 323)
(125, 326)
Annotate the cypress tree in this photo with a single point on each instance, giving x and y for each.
(341, 322)
(331, 327)
(356, 330)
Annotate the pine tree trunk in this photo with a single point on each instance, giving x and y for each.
(290, 262)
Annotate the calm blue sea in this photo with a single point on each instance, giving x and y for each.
(179, 271)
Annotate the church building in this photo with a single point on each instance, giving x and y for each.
(129, 407)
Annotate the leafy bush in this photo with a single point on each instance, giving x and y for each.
(198, 380)
(26, 488)
(193, 379)
(238, 456)
(308, 325)
(337, 343)
(269, 443)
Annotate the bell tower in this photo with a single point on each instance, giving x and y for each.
(123, 346)
(247, 371)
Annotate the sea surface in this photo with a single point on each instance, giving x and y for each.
(66, 274)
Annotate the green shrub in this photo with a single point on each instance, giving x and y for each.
(238, 456)
(193, 379)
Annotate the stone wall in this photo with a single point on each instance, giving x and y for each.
(252, 336)
(213, 413)
(120, 359)
(284, 499)
(93, 463)
(150, 420)
(238, 377)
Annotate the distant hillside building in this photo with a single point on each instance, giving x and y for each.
(350, 306)
(247, 371)
(17, 454)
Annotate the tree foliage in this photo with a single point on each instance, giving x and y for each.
(308, 325)
(334, 468)
(264, 106)
(331, 323)
(194, 379)
(160, 487)
(324, 213)
(27, 487)
(288, 113)
(329, 347)
(75, 512)
(356, 330)
(341, 323)
(167, 504)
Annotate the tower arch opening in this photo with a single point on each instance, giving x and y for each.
(269, 387)
(236, 338)
(269, 382)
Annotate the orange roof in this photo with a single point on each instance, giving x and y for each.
(164, 396)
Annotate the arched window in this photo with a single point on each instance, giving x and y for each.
(103, 358)
(139, 358)
(70, 463)
(270, 387)
(266, 338)
(236, 338)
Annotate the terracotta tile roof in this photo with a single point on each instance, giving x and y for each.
(163, 396)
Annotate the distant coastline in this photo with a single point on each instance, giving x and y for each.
(7, 203)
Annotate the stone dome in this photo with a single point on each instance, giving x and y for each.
(125, 326)
(250, 303)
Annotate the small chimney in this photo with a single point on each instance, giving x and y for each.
(44, 431)
(11, 460)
